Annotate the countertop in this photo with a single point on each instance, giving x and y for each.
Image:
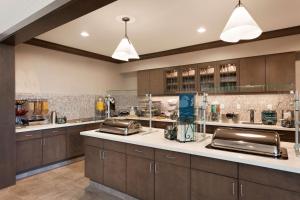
(50, 126)
(155, 139)
(239, 125)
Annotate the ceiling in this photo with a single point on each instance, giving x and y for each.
(14, 14)
(167, 24)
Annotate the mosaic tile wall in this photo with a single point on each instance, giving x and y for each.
(80, 106)
(259, 102)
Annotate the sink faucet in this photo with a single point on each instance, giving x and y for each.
(252, 111)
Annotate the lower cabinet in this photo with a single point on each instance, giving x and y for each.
(115, 170)
(171, 182)
(29, 154)
(210, 186)
(75, 144)
(140, 177)
(254, 191)
(54, 148)
(94, 164)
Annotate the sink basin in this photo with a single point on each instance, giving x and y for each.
(255, 123)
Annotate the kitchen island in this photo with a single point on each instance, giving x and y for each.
(147, 166)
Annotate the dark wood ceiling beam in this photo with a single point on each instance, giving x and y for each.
(71, 50)
(210, 45)
(64, 14)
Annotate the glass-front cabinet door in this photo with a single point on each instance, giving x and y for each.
(188, 79)
(207, 78)
(228, 77)
(172, 81)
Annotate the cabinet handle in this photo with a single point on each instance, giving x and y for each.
(170, 157)
(156, 168)
(150, 167)
(100, 154)
(44, 141)
(55, 131)
(233, 188)
(28, 135)
(103, 155)
(242, 192)
(138, 151)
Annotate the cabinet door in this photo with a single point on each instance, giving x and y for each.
(253, 74)
(228, 76)
(280, 72)
(75, 142)
(210, 186)
(54, 149)
(143, 82)
(115, 170)
(171, 182)
(156, 82)
(140, 178)
(29, 154)
(251, 191)
(94, 164)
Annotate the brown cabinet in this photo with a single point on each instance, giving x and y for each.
(207, 79)
(75, 144)
(140, 177)
(94, 165)
(251, 191)
(228, 76)
(210, 186)
(253, 74)
(172, 182)
(156, 82)
(150, 81)
(114, 170)
(54, 146)
(188, 79)
(29, 148)
(143, 82)
(280, 72)
(172, 81)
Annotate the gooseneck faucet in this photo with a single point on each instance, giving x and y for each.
(252, 111)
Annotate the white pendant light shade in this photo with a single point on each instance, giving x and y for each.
(125, 51)
(240, 26)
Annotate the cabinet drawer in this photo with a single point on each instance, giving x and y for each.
(79, 128)
(95, 142)
(53, 132)
(215, 166)
(172, 157)
(140, 151)
(265, 176)
(115, 146)
(94, 126)
(28, 135)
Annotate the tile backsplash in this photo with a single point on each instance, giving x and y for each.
(83, 106)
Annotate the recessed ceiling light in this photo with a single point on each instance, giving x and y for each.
(201, 30)
(84, 34)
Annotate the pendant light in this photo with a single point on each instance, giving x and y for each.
(125, 50)
(240, 26)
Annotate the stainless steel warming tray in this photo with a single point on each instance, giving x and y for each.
(120, 127)
(265, 143)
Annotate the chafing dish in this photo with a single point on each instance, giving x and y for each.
(265, 143)
(120, 127)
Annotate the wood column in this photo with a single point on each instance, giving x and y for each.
(7, 116)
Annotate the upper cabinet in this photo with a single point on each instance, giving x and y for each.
(206, 77)
(172, 81)
(228, 76)
(253, 74)
(150, 81)
(280, 72)
(188, 79)
(270, 73)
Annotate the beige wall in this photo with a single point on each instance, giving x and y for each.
(40, 70)
(277, 45)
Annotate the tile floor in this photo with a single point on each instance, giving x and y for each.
(65, 183)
